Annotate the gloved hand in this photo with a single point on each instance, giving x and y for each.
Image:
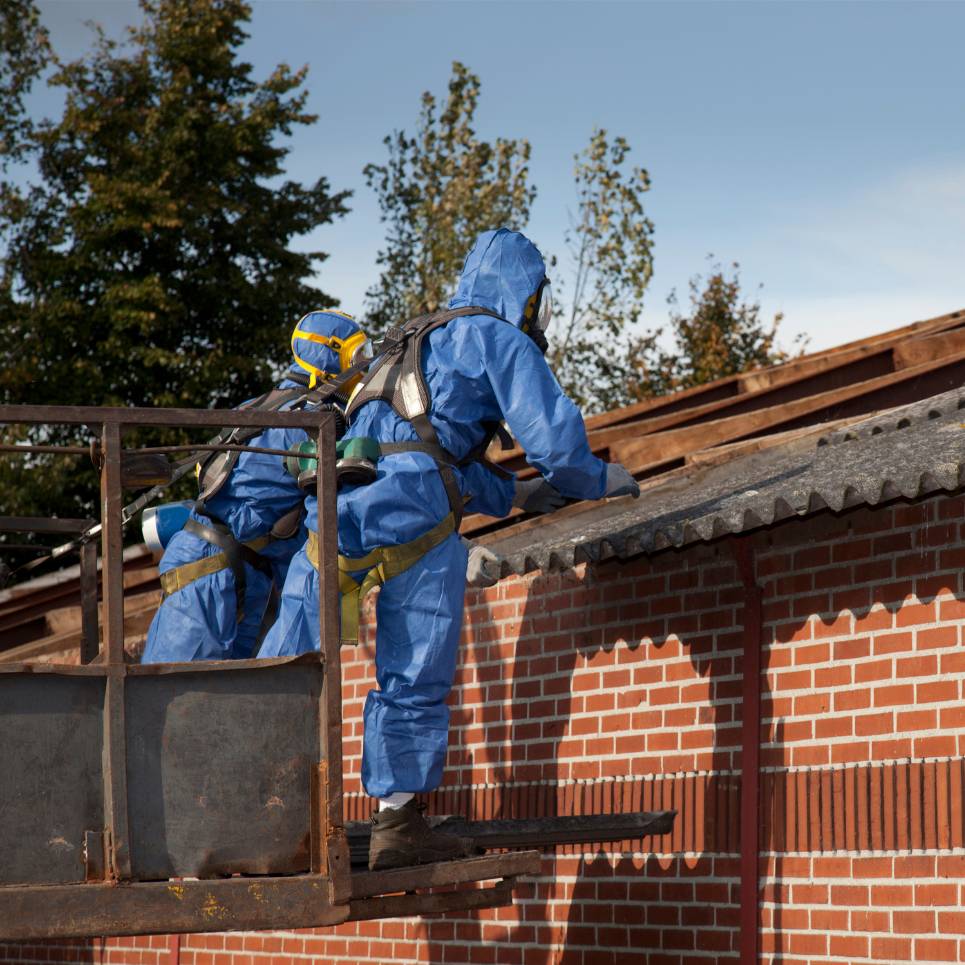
(619, 482)
(536, 496)
(483, 567)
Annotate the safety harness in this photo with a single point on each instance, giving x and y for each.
(213, 472)
(397, 379)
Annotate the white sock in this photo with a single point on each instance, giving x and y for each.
(396, 800)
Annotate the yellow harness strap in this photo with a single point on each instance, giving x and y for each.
(382, 564)
(181, 576)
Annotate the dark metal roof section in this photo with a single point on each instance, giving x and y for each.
(912, 452)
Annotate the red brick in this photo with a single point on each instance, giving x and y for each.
(893, 643)
(924, 666)
(849, 753)
(937, 637)
(871, 868)
(902, 695)
(913, 922)
(826, 727)
(914, 866)
(833, 867)
(942, 745)
(880, 618)
(939, 690)
(870, 921)
(839, 676)
(931, 895)
(873, 670)
(935, 950)
(917, 720)
(891, 949)
(856, 699)
(951, 922)
(872, 724)
(894, 895)
(807, 894)
(849, 946)
(916, 614)
(849, 895)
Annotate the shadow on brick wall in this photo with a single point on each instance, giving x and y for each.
(859, 640)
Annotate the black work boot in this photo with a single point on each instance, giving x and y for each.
(401, 837)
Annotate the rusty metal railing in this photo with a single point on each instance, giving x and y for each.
(127, 777)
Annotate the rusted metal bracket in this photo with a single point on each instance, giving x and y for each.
(96, 856)
(142, 908)
(403, 906)
(368, 884)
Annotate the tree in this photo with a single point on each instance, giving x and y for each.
(438, 190)
(152, 263)
(721, 335)
(596, 353)
(24, 54)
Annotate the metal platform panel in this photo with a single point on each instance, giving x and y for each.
(219, 771)
(51, 776)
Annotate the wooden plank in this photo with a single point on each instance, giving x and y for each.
(790, 371)
(638, 454)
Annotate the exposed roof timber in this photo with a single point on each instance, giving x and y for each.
(789, 371)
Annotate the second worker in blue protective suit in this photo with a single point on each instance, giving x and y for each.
(198, 618)
(479, 369)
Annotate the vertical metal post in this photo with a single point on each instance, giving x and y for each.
(112, 576)
(750, 756)
(89, 631)
(335, 857)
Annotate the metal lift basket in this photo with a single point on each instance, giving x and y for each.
(140, 799)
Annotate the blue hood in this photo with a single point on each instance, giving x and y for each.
(500, 273)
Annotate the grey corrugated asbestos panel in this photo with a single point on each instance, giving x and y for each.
(911, 452)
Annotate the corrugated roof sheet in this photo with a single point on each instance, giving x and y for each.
(911, 451)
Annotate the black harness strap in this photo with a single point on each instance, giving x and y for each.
(236, 554)
(397, 379)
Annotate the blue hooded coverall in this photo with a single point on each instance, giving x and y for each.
(478, 369)
(199, 621)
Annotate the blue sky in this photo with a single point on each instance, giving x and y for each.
(821, 145)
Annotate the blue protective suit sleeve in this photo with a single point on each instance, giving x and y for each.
(547, 424)
(488, 492)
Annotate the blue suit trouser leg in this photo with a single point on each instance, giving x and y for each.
(199, 622)
(296, 628)
(418, 623)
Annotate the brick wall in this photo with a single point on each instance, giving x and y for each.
(619, 687)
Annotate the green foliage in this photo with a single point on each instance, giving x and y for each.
(24, 53)
(438, 190)
(151, 264)
(721, 335)
(595, 353)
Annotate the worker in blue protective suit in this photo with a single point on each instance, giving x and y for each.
(479, 362)
(218, 572)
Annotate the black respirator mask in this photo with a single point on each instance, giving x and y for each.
(538, 314)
